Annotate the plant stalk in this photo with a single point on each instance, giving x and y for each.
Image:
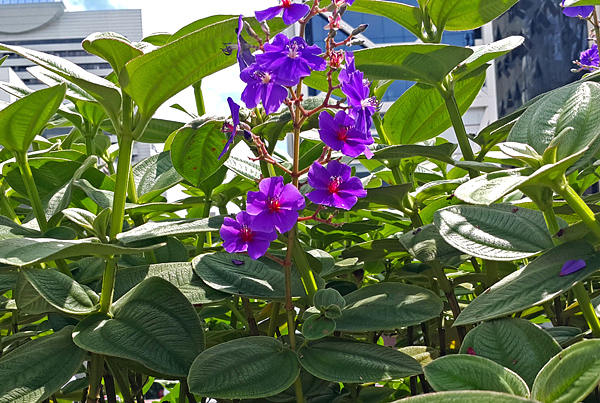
(310, 285)
(448, 289)
(96, 372)
(121, 380)
(205, 214)
(579, 206)
(6, 207)
(378, 123)
(275, 308)
(587, 309)
(460, 131)
(32, 192)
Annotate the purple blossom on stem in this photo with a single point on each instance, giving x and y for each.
(578, 11)
(263, 85)
(340, 134)
(244, 56)
(275, 205)
(350, 68)
(572, 266)
(333, 185)
(292, 12)
(231, 129)
(240, 235)
(363, 106)
(590, 57)
(291, 59)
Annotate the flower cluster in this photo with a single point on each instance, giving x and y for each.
(269, 77)
(578, 11)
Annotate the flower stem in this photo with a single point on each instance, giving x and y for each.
(304, 269)
(578, 205)
(460, 130)
(378, 123)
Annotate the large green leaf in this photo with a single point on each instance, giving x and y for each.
(237, 274)
(537, 283)
(468, 372)
(386, 306)
(180, 274)
(247, 368)
(176, 227)
(112, 47)
(24, 119)
(10, 229)
(392, 196)
(569, 107)
(407, 16)
(36, 370)
(470, 396)
(153, 324)
(106, 93)
(375, 250)
(486, 53)
(153, 175)
(516, 344)
(462, 15)
(26, 251)
(28, 300)
(442, 152)
(345, 360)
(156, 131)
(496, 232)
(569, 376)
(429, 64)
(62, 292)
(421, 114)
(426, 244)
(195, 150)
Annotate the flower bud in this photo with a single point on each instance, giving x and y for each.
(357, 42)
(265, 27)
(359, 30)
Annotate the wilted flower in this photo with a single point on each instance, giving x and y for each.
(263, 85)
(292, 12)
(231, 129)
(340, 134)
(590, 57)
(572, 266)
(275, 205)
(291, 59)
(363, 106)
(578, 11)
(333, 185)
(239, 235)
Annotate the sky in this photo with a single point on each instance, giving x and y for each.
(169, 16)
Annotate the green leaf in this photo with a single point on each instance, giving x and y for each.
(177, 227)
(181, 275)
(421, 114)
(468, 372)
(516, 344)
(392, 196)
(34, 371)
(386, 306)
(112, 47)
(569, 107)
(375, 250)
(153, 175)
(573, 3)
(62, 292)
(9, 229)
(28, 300)
(569, 376)
(195, 151)
(248, 368)
(24, 119)
(407, 16)
(441, 152)
(462, 15)
(349, 361)
(538, 282)
(497, 232)
(471, 396)
(424, 63)
(317, 327)
(26, 251)
(262, 278)
(156, 131)
(486, 53)
(8, 279)
(426, 244)
(153, 324)
(326, 297)
(106, 93)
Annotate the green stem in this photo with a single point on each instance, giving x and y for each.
(200, 108)
(460, 130)
(32, 191)
(238, 314)
(587, 309)
(120, 379)
(131, 189)
(551, 223)
(96, 372)
(448, 288)
(304, 269)
(205, 214)
(276, 307)
(6, 207)
(579, 206)
(90, 145)
(378, 123)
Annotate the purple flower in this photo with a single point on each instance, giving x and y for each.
(349, 70)
(363, 106)
(339, 3)
(231, 129)
(572, 266)
(291, 12)
(579, 11)
(291, 59)
(340, 134)
(239, 235)
(590, 57)
(244, 56)
(263, 85)
(333, 185)
(275, 205)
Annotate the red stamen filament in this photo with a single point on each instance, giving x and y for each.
(334, 184)
(273, 205)
(246, 234)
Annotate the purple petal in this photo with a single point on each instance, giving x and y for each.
(291, 199)
(257, 248)
(235, 112)
(294, 13)
(237, 262)
(344, 200)
(265, 221)
(226, 148)
(321, 196)
(268, 14)
(271, 186)
(336, 168)
(251, 95)
(285, 220)
(318, 176)
(572, 266)
(273, 96)
(577, 11)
